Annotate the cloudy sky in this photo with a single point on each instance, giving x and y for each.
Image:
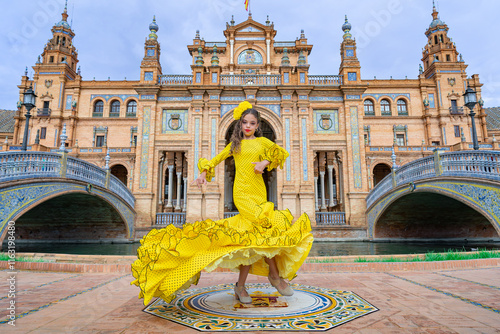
(110, 34)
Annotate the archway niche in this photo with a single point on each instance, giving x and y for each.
(120, 172)
(379, 172)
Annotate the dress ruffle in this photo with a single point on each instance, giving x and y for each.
(276, 155)
(171, 259)
(205, 165)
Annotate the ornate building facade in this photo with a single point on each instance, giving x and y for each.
(340, 129)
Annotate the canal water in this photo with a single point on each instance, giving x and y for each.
(319, 248)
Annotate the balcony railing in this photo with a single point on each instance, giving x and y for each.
(166, 218)
(330, 218)
(325, 80)
(43, 112)
(230, 214)
(176, 79)
(250, 79)
(456, 110)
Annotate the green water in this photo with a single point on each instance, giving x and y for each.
(319, 248)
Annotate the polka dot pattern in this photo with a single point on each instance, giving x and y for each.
(171, 259)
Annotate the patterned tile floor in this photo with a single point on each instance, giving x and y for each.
(451, 301)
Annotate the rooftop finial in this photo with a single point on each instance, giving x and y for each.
(346, 28)
(153, 27)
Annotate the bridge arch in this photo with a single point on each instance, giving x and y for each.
(37, 203)
(436, 209)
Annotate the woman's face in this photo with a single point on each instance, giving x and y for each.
(249, 125)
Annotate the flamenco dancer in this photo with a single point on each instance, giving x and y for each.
(259, 240)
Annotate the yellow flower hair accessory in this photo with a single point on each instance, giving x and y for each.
(240, 109)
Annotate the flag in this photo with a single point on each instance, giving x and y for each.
(246, 4)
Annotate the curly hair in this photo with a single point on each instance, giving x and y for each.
(238, 135)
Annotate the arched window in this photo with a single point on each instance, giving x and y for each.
(131, 109)
(402, 109)
(385, 108)
(435, 39)
(369, 110)
(115, 109)
(98, 109)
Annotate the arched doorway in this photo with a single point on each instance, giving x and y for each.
(379, 172)
(120, 172)
(270, 178)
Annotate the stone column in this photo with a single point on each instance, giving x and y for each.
(316, 193)
(160, 182)
(323, 199)
(268, 51)
(330, 185)
(185, 195)
(179, 180)
(170, 186)
(231, 43)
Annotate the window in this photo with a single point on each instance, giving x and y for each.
(400, 139)
(43, 133)
(435, 39)
(402, 110)
(98, 109)
(369, 110)
(135, 141)
(46, 104)
(99, 141)
(448, 58)
(131, 109)
(51, 59)
(435, 143)
(454, 107)
(385, 108)
(456, 129)
(115, 109)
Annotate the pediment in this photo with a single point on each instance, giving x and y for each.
(250, 28)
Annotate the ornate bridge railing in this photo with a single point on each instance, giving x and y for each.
(330, 218)
(23, 165)
(166, 218)
(477, 164)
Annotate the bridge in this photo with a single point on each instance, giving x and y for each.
(53, 196)
(454, 195)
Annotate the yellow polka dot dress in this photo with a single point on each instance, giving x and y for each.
(171, 259)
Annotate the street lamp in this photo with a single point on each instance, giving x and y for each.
(28, 103)
(470, 99)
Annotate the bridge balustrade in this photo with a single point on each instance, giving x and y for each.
(468, 164)
(330, 218)
(22, 165)
(15, 166)
(166, 218)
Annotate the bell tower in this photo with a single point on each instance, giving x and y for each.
(440, 52)
(59, 51)
(350, 68)
(150, 65)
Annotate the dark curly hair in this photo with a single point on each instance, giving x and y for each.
(238, 135)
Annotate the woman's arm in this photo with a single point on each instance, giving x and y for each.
(208, 167)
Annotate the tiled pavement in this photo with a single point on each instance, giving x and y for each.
(431, 301)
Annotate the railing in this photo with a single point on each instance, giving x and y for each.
(330, 218)
(325, 80)
(456, 110)
(166, 218)
(43, 112)
(23, 165)
(467, 164)
(175, 79)
(250, 79)
(230, 214)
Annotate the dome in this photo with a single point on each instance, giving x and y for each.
(436, 22)
(346, 25)
(153, 26)
(63, 24)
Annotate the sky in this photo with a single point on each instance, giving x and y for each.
(110, 35)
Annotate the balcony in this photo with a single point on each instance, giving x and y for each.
(250, 79)
(456, 110)
(43, 112)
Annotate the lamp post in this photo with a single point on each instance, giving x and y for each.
(28, 103)
(470, 99)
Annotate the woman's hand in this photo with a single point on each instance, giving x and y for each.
(260, 166)
(201, 180)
